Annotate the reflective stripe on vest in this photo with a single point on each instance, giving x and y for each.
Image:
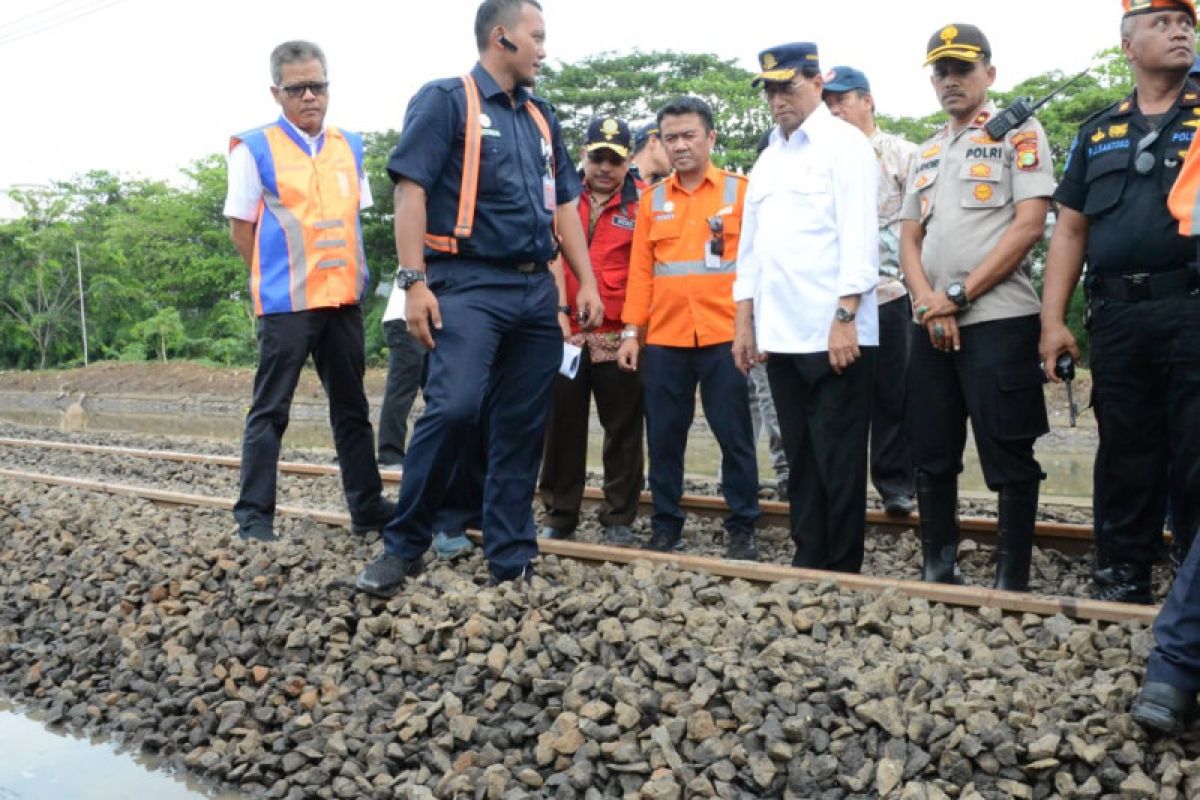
(468, 190)
(670, 269)
(308, 250)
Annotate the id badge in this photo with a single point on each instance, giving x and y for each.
(549, 194)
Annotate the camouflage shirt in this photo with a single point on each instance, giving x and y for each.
(895, 162)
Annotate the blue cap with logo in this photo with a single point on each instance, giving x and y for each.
(845, 79)
(644, 132)
(782, 63)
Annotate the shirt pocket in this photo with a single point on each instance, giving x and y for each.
(495, 161)
(983, 184)
(922, 187)
(1105, 179)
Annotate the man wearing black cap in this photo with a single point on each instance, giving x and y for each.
(607, 210)
(973, 210)
(1142, 307)
(808, 264)
(848, 95)
(650, 161)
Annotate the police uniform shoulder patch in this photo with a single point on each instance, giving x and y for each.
(1026, 144)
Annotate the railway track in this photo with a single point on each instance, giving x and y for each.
(1066, 537)
(973, 597)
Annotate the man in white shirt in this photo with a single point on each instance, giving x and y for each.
(808, 264)
(848, 95)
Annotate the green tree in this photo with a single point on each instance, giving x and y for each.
(635, 85)
(162, 332)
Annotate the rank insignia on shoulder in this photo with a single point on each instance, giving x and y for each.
(1117, 131)
(981, 171)
(1098, 136)
(1125, 106)
(931, 152)
(981, 119)
(983, 192)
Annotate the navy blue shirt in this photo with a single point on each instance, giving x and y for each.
(511, 220)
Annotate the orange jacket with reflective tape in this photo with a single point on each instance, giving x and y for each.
(684, 298)
(1184, 200)
(308, 249)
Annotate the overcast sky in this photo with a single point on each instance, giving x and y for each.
(142, 87)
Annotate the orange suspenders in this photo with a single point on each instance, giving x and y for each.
(472, 148)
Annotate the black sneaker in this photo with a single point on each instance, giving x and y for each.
(1123, 583)
(385, 576)
(1161, 708)
(377, 521)
(742, 546)
(664, 542)
(900, 505)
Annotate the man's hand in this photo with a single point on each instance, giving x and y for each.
(843, 345)
(587, 300)
(933, 304)
(423, 314)
(745, 349)
(943, 333)
(1056, 340)
(628, 353)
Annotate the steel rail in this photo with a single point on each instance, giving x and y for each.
(962, 596)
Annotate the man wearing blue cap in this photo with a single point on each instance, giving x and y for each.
(848, 95)
(808, 264)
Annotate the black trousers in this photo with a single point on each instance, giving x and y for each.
(334, 338)
(1145, 360)
(620, 406)
(824, 418)
(891, 456)
(994, 380)
(406, 370)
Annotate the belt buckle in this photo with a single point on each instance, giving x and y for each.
(1138, 285)
(526, 266)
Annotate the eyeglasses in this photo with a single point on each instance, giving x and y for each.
(297, 90)
(1143, 160)
(772, 89)
(605, 156)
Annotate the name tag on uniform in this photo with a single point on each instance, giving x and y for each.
(549, 194)
(623, 222)
(711, 259)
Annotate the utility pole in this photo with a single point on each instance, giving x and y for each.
(82, 310)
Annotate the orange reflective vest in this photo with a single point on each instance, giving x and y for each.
(308, 250)
(472, 150)
(677, 286)
(1184, 200)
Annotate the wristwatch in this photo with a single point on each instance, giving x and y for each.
(628, 334)
(405, 278)
(564, 310)
(958, 295)
(844, 314)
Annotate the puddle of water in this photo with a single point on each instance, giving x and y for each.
(1069, 474)
(41, 764)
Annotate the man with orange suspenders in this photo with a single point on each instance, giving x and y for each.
(295, 189)
(483, 181)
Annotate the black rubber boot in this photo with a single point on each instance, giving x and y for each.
(937, 499)
(1014, 535)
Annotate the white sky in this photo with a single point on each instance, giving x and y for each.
(142, 87)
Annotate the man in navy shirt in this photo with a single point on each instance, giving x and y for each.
(484, 188)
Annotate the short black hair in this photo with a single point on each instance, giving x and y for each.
(808, 71)
(497, 12)
(688, 105)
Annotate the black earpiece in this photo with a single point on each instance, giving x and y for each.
(507, 44)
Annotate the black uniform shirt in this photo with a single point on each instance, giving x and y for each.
(1130, 229)
(512, 222)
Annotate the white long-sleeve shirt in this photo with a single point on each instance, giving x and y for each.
(810, 235)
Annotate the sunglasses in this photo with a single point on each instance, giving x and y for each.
(297, 90)
(1143, 161)
(605, 156)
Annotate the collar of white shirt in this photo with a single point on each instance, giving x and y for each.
(313, 142)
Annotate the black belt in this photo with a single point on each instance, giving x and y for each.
(1139, 286)
(524, 267)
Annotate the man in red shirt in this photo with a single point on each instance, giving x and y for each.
(607, 209)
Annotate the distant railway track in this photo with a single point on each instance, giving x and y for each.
(972, 597)
(1061, 536)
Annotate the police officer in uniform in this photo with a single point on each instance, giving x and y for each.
(973, 209)
(483, 182)
(1141, 306)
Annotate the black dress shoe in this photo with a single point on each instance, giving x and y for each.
(257, 533)
(526, 574)
(385, 576)
(900, 505)
(377, 521)
(663, 542)
(742, 546)
(1124, 583)
(1161, 708)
